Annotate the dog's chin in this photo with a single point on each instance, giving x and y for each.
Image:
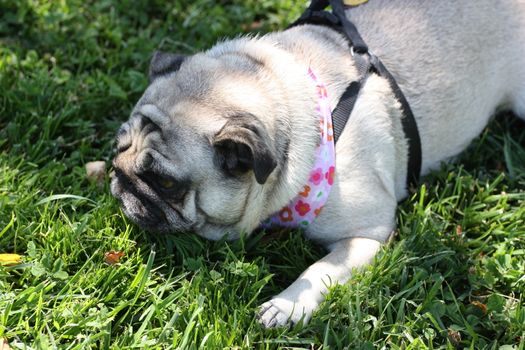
(216, 232)
(149, 227)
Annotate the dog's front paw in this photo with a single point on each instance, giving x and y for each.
(282, 312)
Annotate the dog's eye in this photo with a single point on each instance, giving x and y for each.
(172, 189)
(168, 187)
(166, 184)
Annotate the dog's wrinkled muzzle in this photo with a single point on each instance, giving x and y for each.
(136, 205)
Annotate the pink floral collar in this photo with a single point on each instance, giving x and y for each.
(308, 203)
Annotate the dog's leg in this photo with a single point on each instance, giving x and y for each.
(300, 299)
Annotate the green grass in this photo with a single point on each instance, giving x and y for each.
(70, 72)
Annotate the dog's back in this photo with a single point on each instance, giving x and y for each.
(467, 57)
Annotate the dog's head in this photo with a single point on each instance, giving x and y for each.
(199, 146)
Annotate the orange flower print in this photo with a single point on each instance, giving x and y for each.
(321, 128)
(302, 208)
(330, 175)
(330, 133)
(305, 191)
(286, 214)
(318, 211)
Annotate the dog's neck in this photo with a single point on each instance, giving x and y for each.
(333, 66)
(307, 204)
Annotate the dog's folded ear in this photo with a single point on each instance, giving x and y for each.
(163, 63)
(243, 144)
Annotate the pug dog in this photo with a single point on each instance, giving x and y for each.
(223, 139)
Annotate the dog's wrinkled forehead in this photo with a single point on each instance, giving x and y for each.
(145, 125)
(139, 137)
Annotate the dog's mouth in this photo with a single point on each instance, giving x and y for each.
(138, 206)
(148, 215)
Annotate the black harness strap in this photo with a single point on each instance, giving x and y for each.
(409, 125)
(344, 107)
(366, 63)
